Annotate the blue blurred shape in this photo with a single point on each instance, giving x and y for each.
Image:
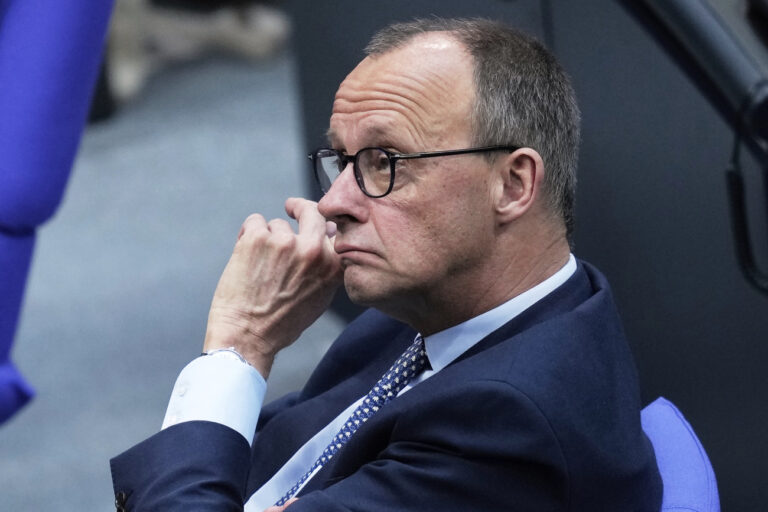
(49, 59)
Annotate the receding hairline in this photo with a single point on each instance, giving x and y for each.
(414, 38)
(401, 34)
(461, 62)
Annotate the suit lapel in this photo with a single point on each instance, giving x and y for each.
(567, 297)
(331, 389)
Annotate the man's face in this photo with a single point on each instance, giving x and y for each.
(421, 242)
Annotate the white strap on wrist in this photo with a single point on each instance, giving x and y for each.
(229, 353)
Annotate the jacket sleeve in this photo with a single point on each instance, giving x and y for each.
(196, 465)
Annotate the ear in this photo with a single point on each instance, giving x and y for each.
(521, 174)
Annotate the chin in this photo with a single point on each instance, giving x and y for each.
(364, 289)
(361, 295)
(376, 292)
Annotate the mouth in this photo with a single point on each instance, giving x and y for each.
(349, 251)
(343, 247)
(351, 254)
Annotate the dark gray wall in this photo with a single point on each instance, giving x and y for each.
(652, 211)
(653, 215)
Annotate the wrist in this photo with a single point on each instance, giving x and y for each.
(262, 364)
(236, 347)
(228, 352)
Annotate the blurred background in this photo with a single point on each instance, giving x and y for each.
(203, 114)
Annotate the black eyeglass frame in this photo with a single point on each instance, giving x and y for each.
(393, 158)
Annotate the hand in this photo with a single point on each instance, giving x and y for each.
(276, 284)
(275, 508)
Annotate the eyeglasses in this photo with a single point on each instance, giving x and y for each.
(374, 168)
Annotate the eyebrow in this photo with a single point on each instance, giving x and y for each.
(382, 136)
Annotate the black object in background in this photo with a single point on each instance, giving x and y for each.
(103, 103)
(210, 5)
(200, 5)
(721, 47)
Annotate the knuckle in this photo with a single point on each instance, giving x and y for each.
(279, 225)
(252, 225)
(281, 240)
(254, 218)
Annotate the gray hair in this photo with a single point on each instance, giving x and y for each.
(523, 96)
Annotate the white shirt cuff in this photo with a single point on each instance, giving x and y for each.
(219, 389)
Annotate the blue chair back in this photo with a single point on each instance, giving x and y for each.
(688, 477)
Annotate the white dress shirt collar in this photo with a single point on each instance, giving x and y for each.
(446, 346)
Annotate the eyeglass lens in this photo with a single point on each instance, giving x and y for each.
(328, 166)
(372, 165)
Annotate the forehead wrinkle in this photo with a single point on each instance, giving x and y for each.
(417, 98)
(380, 111)
(417, 91)
(351, 99)
(430, 85)
(424, 89)
(377, 128)
(382, 133)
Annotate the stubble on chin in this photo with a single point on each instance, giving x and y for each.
(354, 286)
(363, 288)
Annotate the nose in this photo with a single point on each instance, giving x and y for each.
(344, 202)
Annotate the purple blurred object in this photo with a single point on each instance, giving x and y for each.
(689, 480)
(49, 59)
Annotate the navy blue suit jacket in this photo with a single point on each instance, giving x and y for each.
(541, 415)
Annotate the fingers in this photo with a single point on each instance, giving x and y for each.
(311, 223)
(257, 226)
(314, 238)
(330, 229)
(275, 285)
(280, 227)
(254, 222)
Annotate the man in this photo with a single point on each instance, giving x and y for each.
(449, 184)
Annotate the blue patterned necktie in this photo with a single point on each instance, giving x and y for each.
(411, 363)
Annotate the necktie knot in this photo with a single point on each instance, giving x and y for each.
(408, 365)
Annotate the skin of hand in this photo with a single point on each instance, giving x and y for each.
(275, 285)
(275, 508)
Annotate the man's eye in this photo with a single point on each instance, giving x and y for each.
(381, 163)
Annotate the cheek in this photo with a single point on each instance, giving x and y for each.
(423, 241)
(408, 235)
(429, 228)
(461, 206)
(463, 224)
